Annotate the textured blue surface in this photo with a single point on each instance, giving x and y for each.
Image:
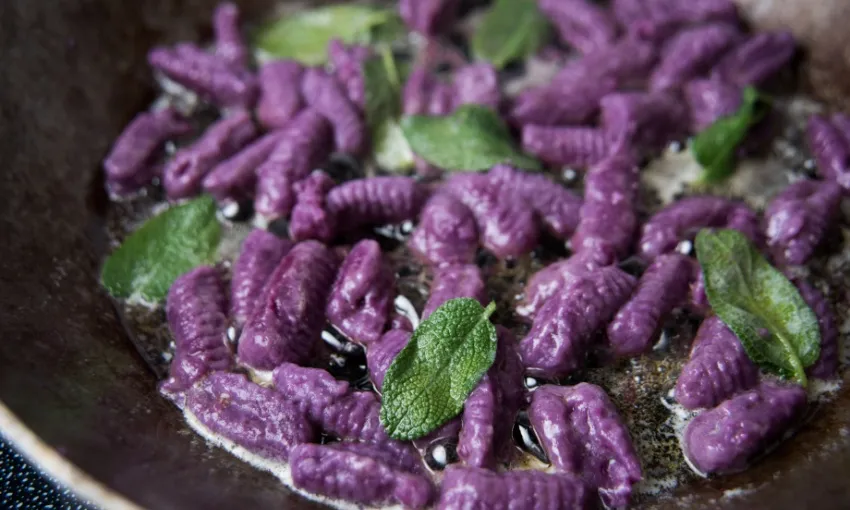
(23, 487)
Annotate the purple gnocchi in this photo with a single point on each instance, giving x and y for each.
(643, 119)
(452, 282)
(628, 12)
(195, 310)
(323, 94)
(446, 433)
(582, 433)
(709, 100)
(428, 17)
(375, 201)
(581, 23)
(552, 279)
(358, 477)
(208, 75)
(407, 463)
(506, 225)
(289, 316)
(608, 217)
(442, 100)
(827, 364)
(305, 144)
(362, 295)
(200, 288)
(477, 84)
(417, 92)
(627, 61)
(280, 93)
(401, 322)
(258, 419)
(348, 69)
(662, 287)
(229, 44)
(558, 104)
(698, 299)
(311, 389)
(756, 59)
(131, 164)
(356, 416)
(717, 369)
(490, 410)
(236, 178)
(726, 438)
(690, 52)
(447, 233)
(842, 122)
(260, 254)
(615, 62)
(570, 146)
(830, 146)
(655, 20)
(184, 173)
(482, 414)
(477, 488)
(799, 217)
(746, 221)
(701, 11)
(682, 220)
(426, 171)
(508, 365)
(556, 207)
(310, 218)
(560, 336)
(380, 355)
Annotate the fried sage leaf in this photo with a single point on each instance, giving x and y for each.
(428, 382)
(778, 330)
(473, 138)
(165, 247)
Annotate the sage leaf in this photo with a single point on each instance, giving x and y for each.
(473, 138)
(390, 30)
(304, 35)
(510, 31)
(778, 330)
(166, 246)
(383, 84)
(714, 148)
(428, 382)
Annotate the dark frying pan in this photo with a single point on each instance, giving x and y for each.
(78, 399)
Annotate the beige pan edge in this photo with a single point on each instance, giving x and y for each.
(57, 466)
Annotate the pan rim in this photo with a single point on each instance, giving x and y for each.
(63, 471)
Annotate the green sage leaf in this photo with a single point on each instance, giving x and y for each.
(473, 138)
(510, 31)
(778, 330)
(166, 246)
(383, 84)
(714, 147)
(428, 382)
(304, 36)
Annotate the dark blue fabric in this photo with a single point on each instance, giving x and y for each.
(23, 487)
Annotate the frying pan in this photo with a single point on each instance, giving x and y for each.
(77, 398)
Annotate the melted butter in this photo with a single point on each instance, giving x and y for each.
(671, 174)
(280, 470)
(261, 377)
